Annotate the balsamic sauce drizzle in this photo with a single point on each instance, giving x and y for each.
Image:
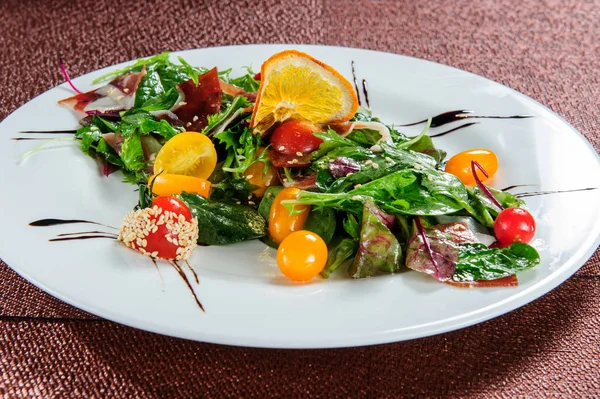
(453, 116)
(86, 232)
(187, 282)
(193, 272)
(536, 193)
(72, 131)
(454, 129)
(355, 83)
(55, 222)
(516, 186)
(86, 235)
(82, 237)
(366, 93)
(28, 138)
(162, 281)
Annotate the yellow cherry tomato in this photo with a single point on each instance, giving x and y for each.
(302, 255)
(460, 165)
(169, 184)
(283, 222)
(257, 176)
(189, 154)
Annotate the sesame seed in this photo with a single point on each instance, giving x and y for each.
(357, 185)
(388, 159)
(281, 148)
(250, 196)
(369, 162)
(269, 195)
(238, 202)
(188, 124)
(291, 162)
(125, 90)
(182, 103)
(249, 177)
(298, 153)
(195, 118)
(251, 203)
(376, 165)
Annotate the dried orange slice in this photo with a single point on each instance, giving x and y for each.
(295, 85)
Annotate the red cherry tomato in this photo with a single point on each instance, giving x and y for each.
(257, 76)
(159, 231)
(514, 225)
(172, 204)
(293, 137)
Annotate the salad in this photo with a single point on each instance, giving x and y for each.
(289, 157)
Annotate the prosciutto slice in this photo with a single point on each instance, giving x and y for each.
(118, 95)
(197, 102)
(235, 91)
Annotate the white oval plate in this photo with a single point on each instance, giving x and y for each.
(246, 299)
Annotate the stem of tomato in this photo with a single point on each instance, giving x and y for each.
(482, 186)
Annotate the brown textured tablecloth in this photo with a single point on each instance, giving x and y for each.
(549, 50)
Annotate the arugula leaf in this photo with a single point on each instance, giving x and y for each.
(484, 210)
(246, 82)
(352, 226)
(135, 67)
(89, 135)
(478, 262)
(217, 119)
(192, 72)
(132, 154)
(331, 140)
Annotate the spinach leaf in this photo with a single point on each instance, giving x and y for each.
(425, 146)
(378, 248)
(478, 262)
(264, 208)
(220, 223)
(322, 222)
(339, 253)
(364, 137)
(408, 191)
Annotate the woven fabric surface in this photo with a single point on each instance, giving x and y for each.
(550, 348)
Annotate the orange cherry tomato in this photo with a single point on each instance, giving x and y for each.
(169, 184)
(302, 255)
(281, 221)
(187, 153)
(460, 165)
(257, 176)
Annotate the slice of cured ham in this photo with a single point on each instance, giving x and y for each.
(197, 102)
(118, 95)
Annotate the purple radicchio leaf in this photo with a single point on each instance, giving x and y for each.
(378, 248)
(342, 166)
(438, 255)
